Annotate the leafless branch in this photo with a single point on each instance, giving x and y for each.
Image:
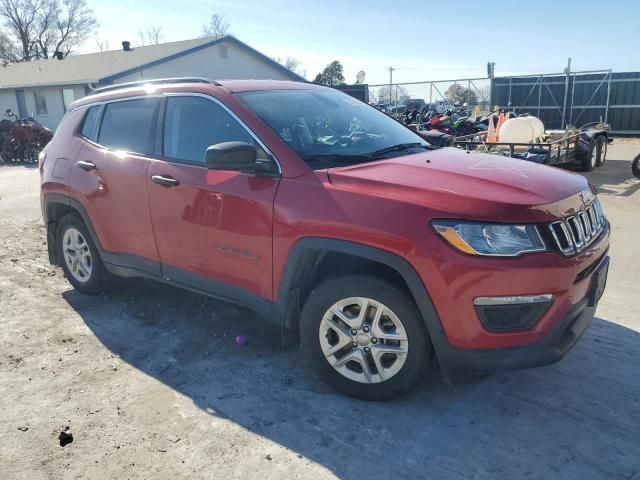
(153, 36)
(37, 28)
(103, 45)
(217, 26)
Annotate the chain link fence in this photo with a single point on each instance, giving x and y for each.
(438, 95)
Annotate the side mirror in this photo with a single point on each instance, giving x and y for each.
(238, 156)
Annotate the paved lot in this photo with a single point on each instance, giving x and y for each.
(151, 385)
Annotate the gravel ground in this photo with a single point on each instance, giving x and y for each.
(150, 384)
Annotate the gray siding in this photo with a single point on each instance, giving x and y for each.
(53, 96)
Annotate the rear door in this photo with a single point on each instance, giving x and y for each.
(213, 229)
(110, 179)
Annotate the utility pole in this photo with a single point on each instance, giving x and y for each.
(391, 69)
(567, 72)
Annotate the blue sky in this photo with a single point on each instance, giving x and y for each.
(423, 40)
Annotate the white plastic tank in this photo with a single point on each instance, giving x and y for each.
(516, 130)
(538, 127)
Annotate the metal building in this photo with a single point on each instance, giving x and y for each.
(574, 99)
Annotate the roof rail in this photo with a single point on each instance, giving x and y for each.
(158, 81)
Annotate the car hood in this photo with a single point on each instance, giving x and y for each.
(471, 185)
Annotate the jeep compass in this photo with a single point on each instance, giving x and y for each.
(386, 254)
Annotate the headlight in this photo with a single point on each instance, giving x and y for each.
(496, 239)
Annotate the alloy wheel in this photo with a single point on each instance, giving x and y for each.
(363, 340)
(77, 255)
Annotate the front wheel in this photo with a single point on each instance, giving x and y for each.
(364, 337)
(635, 166)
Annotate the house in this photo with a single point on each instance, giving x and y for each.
(45, 88)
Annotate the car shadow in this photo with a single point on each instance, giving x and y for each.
(576, 419)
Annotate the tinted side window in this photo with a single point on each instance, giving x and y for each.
(192, 124)
(130, 125)
(90, 121)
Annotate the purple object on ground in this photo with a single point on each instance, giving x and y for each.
(241, 339)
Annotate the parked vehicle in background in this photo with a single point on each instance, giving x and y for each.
(332, 219)
(586, 145)
(21, 140)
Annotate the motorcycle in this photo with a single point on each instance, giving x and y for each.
(21, 140)
(455, 121)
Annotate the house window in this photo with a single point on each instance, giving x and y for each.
(68, 97)
(224, 51)
(41, 103)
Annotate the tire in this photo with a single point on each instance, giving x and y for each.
(396, 349)
(590, 161)
(79, 256)
(635, 166)
(603, 150)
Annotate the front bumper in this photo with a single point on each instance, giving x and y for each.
(553, 347)
(549, 350)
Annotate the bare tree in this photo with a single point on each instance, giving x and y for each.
(69, 23)
(484, 94)
(37, 28)
(103, 45)
(153, 36)
(395, 94)
(290, 63)
(8, 52)
(21, 20)
(217, 26)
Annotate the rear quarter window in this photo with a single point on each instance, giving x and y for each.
(130, 125)
(90, 123)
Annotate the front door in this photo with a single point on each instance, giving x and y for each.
(213, 229)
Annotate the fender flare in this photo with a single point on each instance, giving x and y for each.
(51, 198)
(417, 288)
(586, 138)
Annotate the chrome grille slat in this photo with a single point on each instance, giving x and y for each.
(592, 217)
(586, 225)
(575, 233)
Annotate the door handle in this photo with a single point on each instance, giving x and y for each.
(86, 165)
(165, 181)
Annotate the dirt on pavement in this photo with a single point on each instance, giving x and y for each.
(146, 381)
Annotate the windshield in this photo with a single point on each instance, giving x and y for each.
(329, 128)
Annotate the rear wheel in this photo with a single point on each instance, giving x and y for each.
(79, 256)
(603, 150)
(591, 160)
(364, 337)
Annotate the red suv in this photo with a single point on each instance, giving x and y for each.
(330, 218)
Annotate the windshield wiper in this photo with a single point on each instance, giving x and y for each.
(398, 148)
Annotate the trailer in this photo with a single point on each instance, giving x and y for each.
(587, 146)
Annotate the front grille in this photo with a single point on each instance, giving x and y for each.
(575, 233)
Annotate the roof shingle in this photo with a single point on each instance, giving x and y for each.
(92, 67)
